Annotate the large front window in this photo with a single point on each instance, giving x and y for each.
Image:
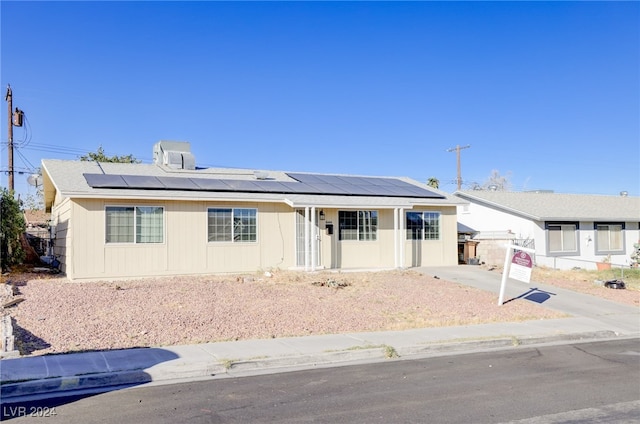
(134, 224)
(423, 225)
(358, 225)
(609, 238)
(563, 237)
(234, 225)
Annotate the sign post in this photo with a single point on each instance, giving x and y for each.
(517, 265)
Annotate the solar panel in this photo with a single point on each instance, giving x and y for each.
(243, 185)
(105, 181)
(278, 186)
(332, 188)
(177, 183)
(145, 181)
(304, 184)
(367, 186)
(210, 185)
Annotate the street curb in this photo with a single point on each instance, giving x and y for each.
(262, 365)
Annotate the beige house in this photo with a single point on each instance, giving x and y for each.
(115, 220)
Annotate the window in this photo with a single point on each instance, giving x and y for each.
(234, 225)
(423, 225)
(134, 224)
(562, 237)
(358, 225)
(609, 238)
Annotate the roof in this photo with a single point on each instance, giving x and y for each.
(36, 217)
(83, 179)
(545, 206)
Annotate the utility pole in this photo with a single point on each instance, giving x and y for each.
(13, 119)
(8, 98)
(457, 150)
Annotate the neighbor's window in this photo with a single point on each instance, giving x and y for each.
(423, 225)
(562, 237)
(358, 225)
(234, 225)
(134, 224)
(609, 238)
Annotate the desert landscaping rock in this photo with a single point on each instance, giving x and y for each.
(60, 316)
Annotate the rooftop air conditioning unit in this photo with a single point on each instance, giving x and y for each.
(174, 154)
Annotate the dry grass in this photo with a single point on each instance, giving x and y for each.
(590, 282)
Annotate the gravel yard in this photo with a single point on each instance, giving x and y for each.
(61, 316)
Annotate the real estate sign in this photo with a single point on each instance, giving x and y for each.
(521, 264)
(517, 265)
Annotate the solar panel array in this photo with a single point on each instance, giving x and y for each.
(304, 184)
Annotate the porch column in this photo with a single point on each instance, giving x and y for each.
(306, 238)
(314, 239)
(396, 243)
(401, 235)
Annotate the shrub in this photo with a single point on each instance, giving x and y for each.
(11, 228)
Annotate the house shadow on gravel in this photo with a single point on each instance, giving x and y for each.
(26, 342)
(40, 384)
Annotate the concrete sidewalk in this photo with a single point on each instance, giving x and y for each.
(591, 319)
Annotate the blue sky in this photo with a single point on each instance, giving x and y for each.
(546, 93)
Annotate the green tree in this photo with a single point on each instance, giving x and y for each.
(100, 156)
(433, 182)
(11, 228)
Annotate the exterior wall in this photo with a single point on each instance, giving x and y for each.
(275, 248)
(586, 257)
(441, 252)
(488, 220)
(370, 254)
(61, 218)
(381, 253)
(335, 253)
(506, 226)
(185, 249)
(492, 251)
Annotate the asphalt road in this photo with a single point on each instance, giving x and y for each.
(583, 382)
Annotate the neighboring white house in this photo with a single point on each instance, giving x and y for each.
(566, 230)
(120, 220)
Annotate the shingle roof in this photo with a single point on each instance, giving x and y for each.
(544, 206)
(36, 217)
(70, 180)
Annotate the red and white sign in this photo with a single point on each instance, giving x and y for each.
(521, 265)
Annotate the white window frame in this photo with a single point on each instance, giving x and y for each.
(366, 225)
(606, 236)
(426, 218)
(569, 231)
(235, 220)
(136, 226)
